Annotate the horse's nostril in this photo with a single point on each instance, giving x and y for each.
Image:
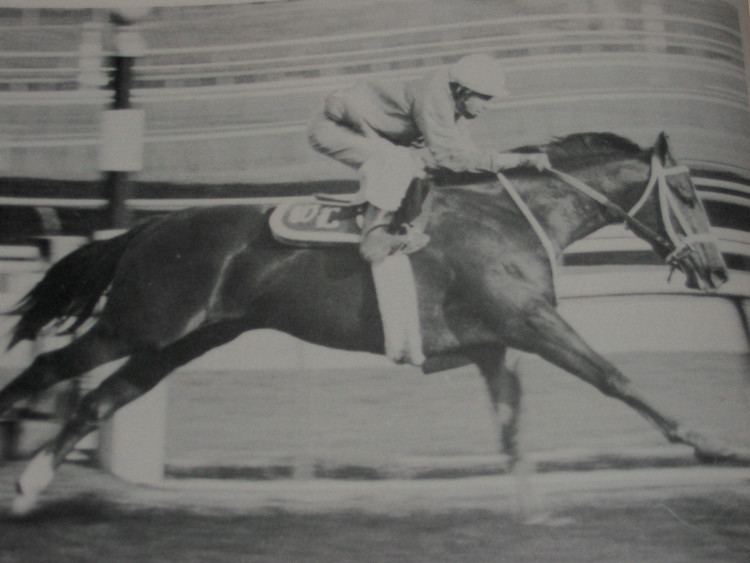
(721, 275)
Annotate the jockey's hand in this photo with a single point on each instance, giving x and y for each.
(540, 161)
(422, 159)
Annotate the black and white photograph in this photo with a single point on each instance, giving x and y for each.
(341, 281)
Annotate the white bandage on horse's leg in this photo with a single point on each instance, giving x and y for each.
(412, 327)
(385, 178)
(397, 301)
(387, 287)
(35, 478)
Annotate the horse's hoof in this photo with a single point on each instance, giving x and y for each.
(721, 454)
(714, 451)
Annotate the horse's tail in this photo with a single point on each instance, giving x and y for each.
(71, 288)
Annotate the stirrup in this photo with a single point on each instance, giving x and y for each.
(414, 239)
(377, 243)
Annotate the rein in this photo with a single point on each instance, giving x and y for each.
(674, 249)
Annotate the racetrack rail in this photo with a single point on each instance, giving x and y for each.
(434, 467)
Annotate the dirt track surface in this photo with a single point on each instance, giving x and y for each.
(685, 515)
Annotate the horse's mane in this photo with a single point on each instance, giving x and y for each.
(570, 151)
(588, 146)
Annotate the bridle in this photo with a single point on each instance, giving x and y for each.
(682, 244)
(676, 250)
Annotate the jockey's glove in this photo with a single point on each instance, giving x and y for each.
(420, 158)
(539, 160)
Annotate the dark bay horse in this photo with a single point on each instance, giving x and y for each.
(183, 284)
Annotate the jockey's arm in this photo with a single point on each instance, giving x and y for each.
(496, 161)
(448, 144)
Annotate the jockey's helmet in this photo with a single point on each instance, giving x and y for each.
(481, 74)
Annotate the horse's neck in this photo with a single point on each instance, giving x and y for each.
(566, 214)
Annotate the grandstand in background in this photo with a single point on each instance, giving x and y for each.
(228, 89)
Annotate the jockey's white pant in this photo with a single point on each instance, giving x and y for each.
(385, 170)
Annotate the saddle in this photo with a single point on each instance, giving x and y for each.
(334, 220)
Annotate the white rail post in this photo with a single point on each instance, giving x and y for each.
(132, 443)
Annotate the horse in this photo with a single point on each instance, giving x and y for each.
(181, 284)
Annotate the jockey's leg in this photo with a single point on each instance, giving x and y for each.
(384, 181)
(341, 142)
(385, 173)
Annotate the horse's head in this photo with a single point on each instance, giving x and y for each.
(671, 207)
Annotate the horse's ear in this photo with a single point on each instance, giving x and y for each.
(685, 191)
(662, 146)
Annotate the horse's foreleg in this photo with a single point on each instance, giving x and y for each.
(504, 389)
(94, 348)
(545, 333)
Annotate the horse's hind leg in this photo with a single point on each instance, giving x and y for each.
(544, 332)
(137, 376)
(94, 348)
(504, 388)
(128, 383)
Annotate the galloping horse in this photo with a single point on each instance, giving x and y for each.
(195, 279)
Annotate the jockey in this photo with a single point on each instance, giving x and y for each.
(392, 131)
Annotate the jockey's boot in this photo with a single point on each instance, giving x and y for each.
(377, 241)
(414, 239)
